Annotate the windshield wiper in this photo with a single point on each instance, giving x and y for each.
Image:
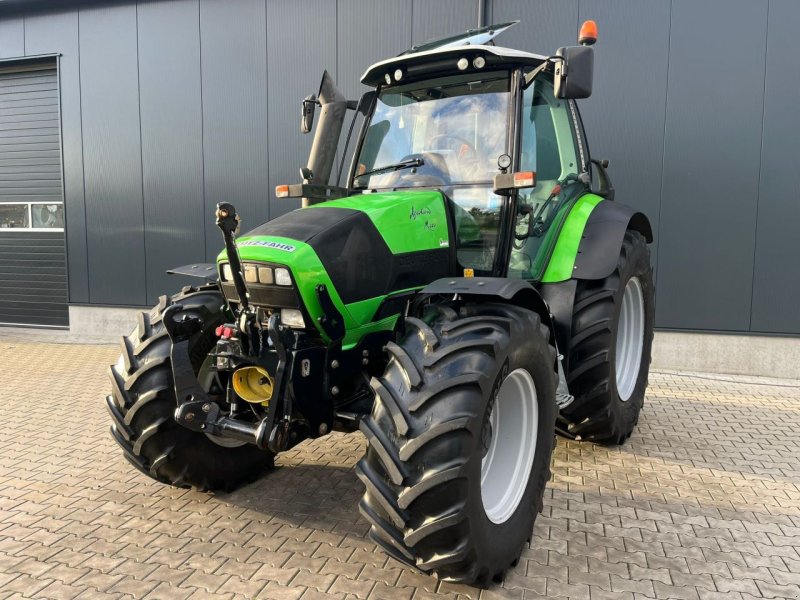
(403, 164)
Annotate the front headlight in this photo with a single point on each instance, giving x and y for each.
(227, 273)
(293, 318)
(282, 277)
(265, 275)
(250, 273)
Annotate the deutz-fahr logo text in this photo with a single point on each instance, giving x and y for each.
(276, 245)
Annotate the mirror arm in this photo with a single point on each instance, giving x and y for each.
(606, 189)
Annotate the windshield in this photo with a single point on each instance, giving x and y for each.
(455, 127)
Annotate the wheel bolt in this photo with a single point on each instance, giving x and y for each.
(206, 407)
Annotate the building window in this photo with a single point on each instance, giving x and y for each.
(32, 216)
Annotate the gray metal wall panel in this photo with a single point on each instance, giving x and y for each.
(712, 137)
(433, 19)
(112, 155)
(33, 278)
(369, 31)
(776, 282)
(12, 37)
(546, 24)
(234, 75)
(711, 165)
(624, 118)
(172, 144)
(301, 43)
(48, 33)
(363, 38)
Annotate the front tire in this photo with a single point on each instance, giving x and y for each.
(609, 353)
(143, 402)
(460, 439)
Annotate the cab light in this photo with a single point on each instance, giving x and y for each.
(265, 275)
(388, 79)
(524, 179)
(398, 74)
(293, 318)
(479, 62)
(227, 273)
(462, 64)
(282, 191)
(282, 277)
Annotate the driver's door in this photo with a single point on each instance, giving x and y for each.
(548, 146)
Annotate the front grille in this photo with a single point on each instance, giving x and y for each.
(264, 295)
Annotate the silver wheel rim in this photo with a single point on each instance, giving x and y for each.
(206, 377)
(506, 466)
(630, 339)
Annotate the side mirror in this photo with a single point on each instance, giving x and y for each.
(309, 105)
(365, 103)
(574, 72)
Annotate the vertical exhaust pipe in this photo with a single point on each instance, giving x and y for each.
(333, 107)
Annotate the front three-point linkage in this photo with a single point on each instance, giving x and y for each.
(196, 410)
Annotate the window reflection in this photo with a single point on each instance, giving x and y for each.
(456, 125)
(13, 216)
(477, 213)
(47, 216)
(36, 215)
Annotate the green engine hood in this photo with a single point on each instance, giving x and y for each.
(362, 248)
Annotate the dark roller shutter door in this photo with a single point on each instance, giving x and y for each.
(33, 272)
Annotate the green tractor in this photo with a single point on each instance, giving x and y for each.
(470, 291)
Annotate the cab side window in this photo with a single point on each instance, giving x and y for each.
(547, 146)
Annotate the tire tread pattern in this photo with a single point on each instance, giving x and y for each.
(597, 414)
(142, 402)
(413, 414)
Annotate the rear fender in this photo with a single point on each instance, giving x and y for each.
(601, 242)
(496, 289)
(590, 241)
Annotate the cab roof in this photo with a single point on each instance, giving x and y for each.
(441, 56)
(444, 60)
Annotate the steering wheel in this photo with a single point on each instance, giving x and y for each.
(453, 138)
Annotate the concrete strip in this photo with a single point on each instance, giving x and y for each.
(102, 321)
(767, 356)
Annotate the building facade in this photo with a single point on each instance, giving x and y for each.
(122, 124)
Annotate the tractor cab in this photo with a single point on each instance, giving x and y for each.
(484, 125)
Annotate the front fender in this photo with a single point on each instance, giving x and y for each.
(513, 291)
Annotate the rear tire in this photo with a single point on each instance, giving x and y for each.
(609, 353)
(143, 402)
(434, 496)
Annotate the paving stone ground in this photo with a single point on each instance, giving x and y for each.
(702, 502)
